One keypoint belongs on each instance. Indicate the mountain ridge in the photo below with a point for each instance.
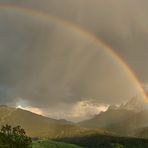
(123, 120)
(40, 126)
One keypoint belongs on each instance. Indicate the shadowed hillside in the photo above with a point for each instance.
(104, 119)
(126, 120)
(96, 141)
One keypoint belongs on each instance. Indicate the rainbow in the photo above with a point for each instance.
(92, 37)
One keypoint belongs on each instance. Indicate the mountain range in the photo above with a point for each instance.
(129, 119)
(39, 126)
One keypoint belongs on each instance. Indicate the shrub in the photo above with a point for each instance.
(14, 137)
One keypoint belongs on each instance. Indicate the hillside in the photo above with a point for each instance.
(104, 119)
(96, 141)
(131, 126)
(135, 124)
(117, 120)
(142, 132)
(135, 104)
(40, 126)
(123, 120)
(52, 144)
(114, 121)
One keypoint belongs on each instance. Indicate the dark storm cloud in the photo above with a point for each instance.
(120, 23)
(44, 63)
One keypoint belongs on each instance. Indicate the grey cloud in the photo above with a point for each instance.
(50, 66)
(120, 23)
(48, 63)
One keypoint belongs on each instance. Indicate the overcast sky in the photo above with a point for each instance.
(51, 67)
(120, 23)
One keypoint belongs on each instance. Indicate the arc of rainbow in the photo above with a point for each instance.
(95, 39)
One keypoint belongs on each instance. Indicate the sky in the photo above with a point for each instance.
(54, 69)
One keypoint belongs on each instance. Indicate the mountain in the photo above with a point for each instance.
(123, 120)
(40, 126)
(63, 131)
(136, 104)
(133, 125)
(142, 132)
(105, 120)
(129, 126)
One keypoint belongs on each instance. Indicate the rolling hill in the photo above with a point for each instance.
(40, 126)
(75, 136)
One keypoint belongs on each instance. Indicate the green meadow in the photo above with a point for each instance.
(52, 144)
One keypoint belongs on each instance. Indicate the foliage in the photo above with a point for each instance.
(14, 137)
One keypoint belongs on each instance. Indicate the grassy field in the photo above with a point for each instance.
(100, 141)
(52, 144)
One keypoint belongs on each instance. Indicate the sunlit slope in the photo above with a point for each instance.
(39, 126)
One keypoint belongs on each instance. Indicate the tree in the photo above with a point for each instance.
(14, 137)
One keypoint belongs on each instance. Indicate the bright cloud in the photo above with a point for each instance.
(32, 109)
(82, 110)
